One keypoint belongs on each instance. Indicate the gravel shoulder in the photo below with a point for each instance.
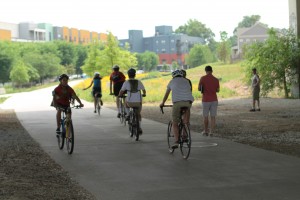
(27, 172)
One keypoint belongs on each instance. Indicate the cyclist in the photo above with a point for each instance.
(181, 97)
(134, 96)
(62, 96)
(96, 92)
(117, 79)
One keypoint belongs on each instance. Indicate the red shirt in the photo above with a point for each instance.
(117, 77)
(210, 85)
(63, 95)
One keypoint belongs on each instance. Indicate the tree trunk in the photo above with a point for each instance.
(286, 94)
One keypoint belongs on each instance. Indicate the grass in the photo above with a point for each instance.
(156, 83)
(2, 99)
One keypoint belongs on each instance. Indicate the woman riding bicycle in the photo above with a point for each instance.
(97, 91)
(181, 97)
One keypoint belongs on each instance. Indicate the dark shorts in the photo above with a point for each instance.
(117, 88)
(255, 93)
(97, 90)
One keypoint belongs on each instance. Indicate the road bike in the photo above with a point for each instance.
(184, 139)
(123, 109)
(67, 129)
(98, 102)
(134, 123)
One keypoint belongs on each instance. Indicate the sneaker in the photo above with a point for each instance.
(204, 133)
(140, 131)
(127, 118)
(258, 109)
(211, 134)
(119, 115)
(252, 110)
(57, 132)
(175, 145)
(101, 102)
(95, 111)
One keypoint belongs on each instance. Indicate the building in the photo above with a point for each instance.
(168, 45)
(256, 33)
(45, 32)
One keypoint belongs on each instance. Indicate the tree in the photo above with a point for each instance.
(276, 60)
(81, 52)
(147, 60)
(197, 29)
(199, 55)
(7, 57)
(19, 74)
(224, 47)
(108, 56)
(66, 53)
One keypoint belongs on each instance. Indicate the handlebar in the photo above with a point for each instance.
(162, 108)
(77, 106)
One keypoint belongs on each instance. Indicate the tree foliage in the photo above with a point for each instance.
(277, 60)
(199, 54)
(147, 61)
(6, 61)
(223, 49)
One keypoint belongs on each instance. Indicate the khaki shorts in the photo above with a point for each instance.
(255, 93)
(176, 109)
(210, 108)
(135, 104)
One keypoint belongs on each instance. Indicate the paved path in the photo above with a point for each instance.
(112, 166)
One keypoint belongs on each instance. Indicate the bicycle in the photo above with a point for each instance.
(98, 102)
(134, 123)
(67, 129)
(184, 139)
(122, 108)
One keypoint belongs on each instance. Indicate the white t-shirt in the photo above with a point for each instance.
(133, 96)
(181, 89)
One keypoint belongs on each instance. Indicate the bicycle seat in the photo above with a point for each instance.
(184, 109)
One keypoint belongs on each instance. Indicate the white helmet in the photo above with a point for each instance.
(176, 73)
(97, 74)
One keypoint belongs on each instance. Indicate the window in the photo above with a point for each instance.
(163, 50)
(247, 40)
(241, 40)
(172, 41)
(163, 41)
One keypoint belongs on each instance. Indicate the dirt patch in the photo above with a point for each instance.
(26, 171)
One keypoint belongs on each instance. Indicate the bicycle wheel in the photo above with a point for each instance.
(98, 106)
(170, 137)
(130, 124)
(122, 117)
(137, 127)
(70, 137)
(61, 136)
(185, 141)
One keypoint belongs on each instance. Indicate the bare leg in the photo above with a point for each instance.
(212, 124)
(58, 117)
(206, 124)
(175, 131)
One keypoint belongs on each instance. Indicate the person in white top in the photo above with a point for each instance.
(181, 97)
(133, 87)
(255, 90)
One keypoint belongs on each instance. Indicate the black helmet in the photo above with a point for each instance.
(116, 67)
(63, 76)
(177, 73)
(183, 72)
(131, 72)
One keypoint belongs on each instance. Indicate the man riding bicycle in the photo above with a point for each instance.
(62, 96)
(134, 97)
(181, 97)
(117, 79)
(96, 92)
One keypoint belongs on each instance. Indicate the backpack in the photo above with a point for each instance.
(133, 85)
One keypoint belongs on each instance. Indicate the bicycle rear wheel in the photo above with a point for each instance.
(137, 128)
(98, 106)
(185, 141)
(70, 137)
(170, 137)
(122, 117)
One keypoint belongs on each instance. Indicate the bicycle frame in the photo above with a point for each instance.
(134, 123)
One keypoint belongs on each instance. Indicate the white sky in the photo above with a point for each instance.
(119, 16)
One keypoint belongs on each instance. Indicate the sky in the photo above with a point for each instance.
(119, 16)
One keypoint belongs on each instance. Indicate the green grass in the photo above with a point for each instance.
(10, 89)
(2, 99)
(156, 83)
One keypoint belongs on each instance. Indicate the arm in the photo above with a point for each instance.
(143, 92)
(165, 97)
(110, 86)
(200, 86)
(89, 85)
(78, 100)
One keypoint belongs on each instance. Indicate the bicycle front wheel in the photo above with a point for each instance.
(98, 106)
(70, 137)
(170, 137)
(185, 141)
(61, 137)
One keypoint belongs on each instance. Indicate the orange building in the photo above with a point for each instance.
(5, 34)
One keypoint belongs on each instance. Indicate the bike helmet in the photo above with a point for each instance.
(116, 67)
(177, 73)
(96, 74)
(183, 72)
(63, 76)
(131, 72)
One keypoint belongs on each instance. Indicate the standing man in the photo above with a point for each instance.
(181, 97)
(255, 90)
(117, 79)
(209, 86)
